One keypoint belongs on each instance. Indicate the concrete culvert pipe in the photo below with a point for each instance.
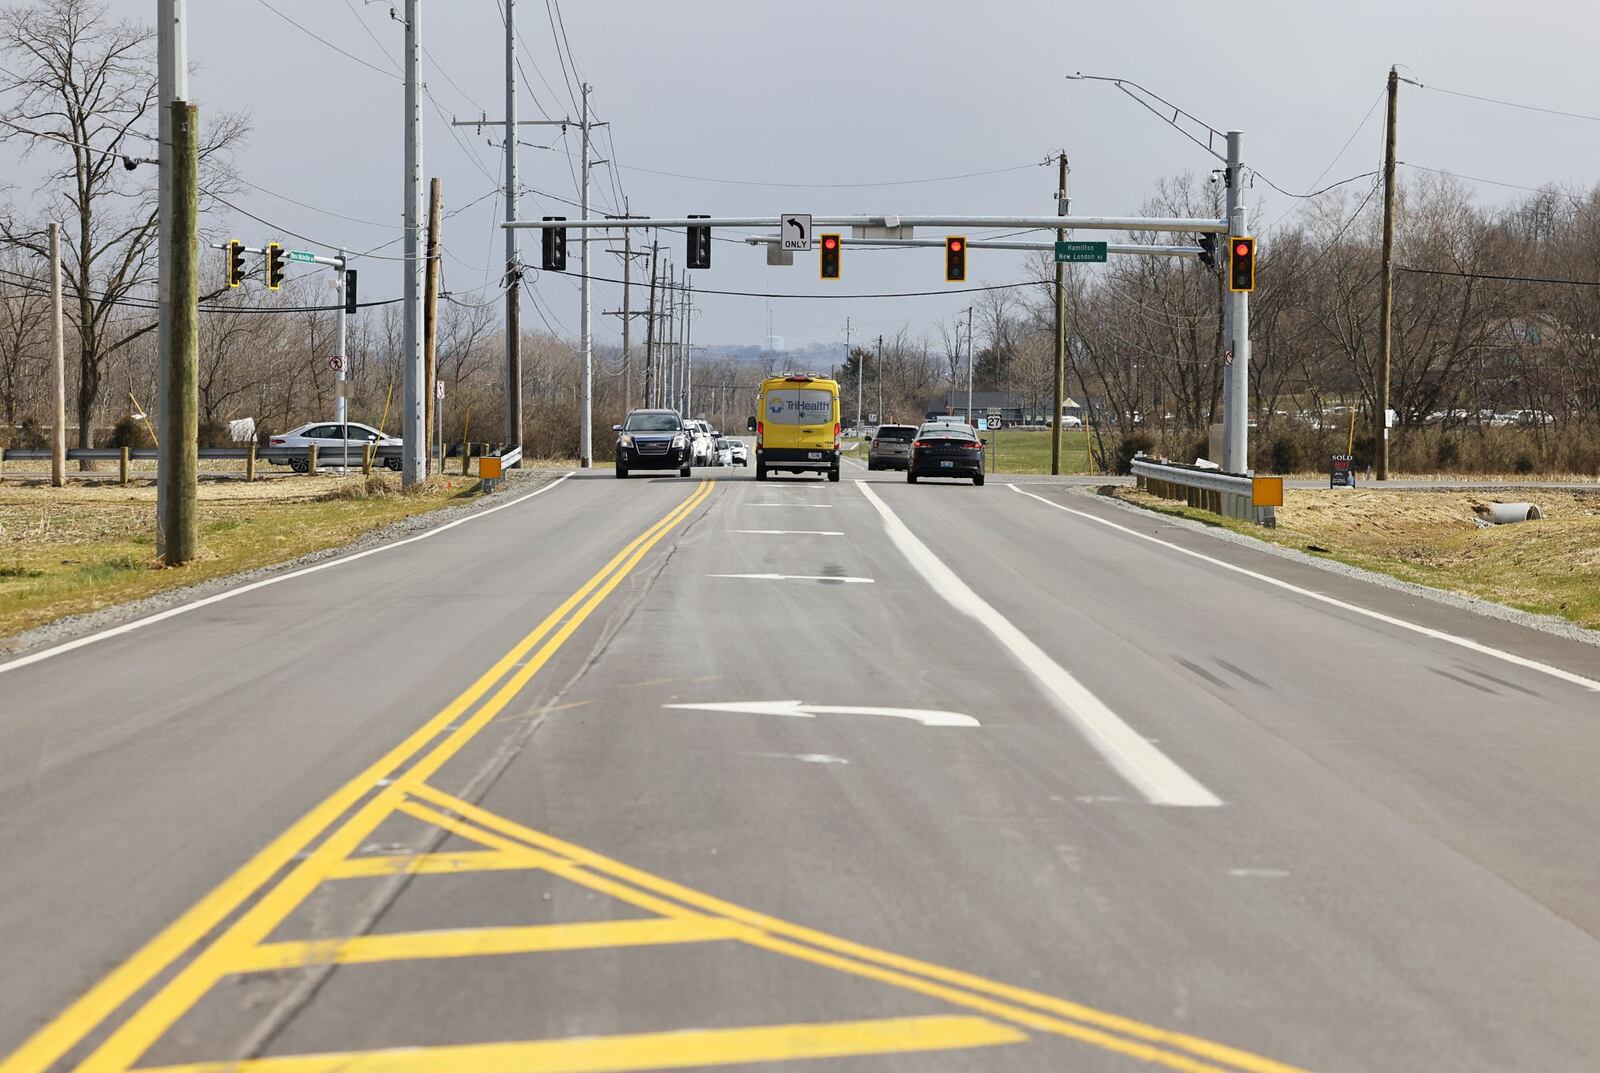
(1506, 513)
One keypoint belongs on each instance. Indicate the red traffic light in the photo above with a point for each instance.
(829, 243)
(1242, 249)
(955, 245)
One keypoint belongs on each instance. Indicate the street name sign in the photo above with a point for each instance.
(302, 256)
(795, 230)
(1071, 252)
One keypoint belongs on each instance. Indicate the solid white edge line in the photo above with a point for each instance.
(1426, 631)
(1146, 768)
(207, 601)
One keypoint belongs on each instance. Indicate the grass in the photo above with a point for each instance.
(64, 551)
(1549, 567)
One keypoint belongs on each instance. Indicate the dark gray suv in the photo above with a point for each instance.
(891, 447)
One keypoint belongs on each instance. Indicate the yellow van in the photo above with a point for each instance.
(797, 425)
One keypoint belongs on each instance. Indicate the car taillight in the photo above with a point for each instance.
(837, 429)
(976, 446)
(919, 443)
(276, 442)
(761, 429)
(874, 443)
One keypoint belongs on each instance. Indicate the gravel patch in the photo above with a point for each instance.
(518, 482)
(1550, 624)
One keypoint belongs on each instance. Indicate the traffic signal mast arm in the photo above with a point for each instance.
(304, 258)
(995, 244)
(1033, 223)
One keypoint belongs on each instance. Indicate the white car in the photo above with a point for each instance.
(739, 453)
(724, 452)
(1068, 421)
(705, 444)
(330, 439)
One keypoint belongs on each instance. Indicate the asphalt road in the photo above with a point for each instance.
(668, 773)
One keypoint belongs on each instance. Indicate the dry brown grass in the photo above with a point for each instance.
(88, 546)
(1551, 566)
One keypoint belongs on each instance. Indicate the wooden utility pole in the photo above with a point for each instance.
(1386, 286)
(627, 311)
(430, 312)
(180, 455)
(1059, 381)
(650, 336)
(58, 365)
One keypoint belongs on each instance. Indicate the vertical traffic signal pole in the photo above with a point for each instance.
(180, 439)
(341, 397)
(1386, 285)
(1059, 380)
(1232, 180)
(1236, 452)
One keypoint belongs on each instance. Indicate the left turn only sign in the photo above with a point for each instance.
(795, 229)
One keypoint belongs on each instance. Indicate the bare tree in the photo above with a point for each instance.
(81, 87)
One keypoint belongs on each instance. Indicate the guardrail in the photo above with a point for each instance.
(1251, 498)
(300, 459)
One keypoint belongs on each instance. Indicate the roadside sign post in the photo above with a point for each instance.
(1080, 252)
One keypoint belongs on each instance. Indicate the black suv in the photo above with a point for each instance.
(654, 439)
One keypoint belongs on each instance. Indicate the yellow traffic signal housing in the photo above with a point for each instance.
(955, 258)
(235, 262)
(1241, 263)
(274, 266)
(828, 256)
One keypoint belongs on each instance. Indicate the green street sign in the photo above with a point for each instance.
(1069, 252)
(310, 258)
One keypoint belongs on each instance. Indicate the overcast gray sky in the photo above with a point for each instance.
(859, 91)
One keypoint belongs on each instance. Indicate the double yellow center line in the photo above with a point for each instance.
(510, 673)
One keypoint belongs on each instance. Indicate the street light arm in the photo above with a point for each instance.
(1172, 121)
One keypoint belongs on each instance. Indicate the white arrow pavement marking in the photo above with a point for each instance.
(1148, 769)
(799, 577)
(1426, 631)
(928, 717)
(790, 532)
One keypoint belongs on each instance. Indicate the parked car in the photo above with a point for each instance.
(740, 453)
(890, 447)
(705, 442)
(1068, 421)
(331, 442)
(942, 450)
(724, 452)
(654, 439)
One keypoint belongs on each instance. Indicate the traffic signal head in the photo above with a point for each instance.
(349, 290)
(274, 266)
(955, 259)
(235, 262)
(1208, 250)
(1241, 263)
(553, 253)
(699, 244)
(829, 256)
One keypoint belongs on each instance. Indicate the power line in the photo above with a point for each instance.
(1493, 182)
(828, 186)
(330, 44)
(1505, 103)
(1500, 278)
(1314, 193)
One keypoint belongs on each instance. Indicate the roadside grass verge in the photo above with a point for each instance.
(1549, 567)
(64, 551)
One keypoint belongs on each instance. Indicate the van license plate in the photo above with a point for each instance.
(813, 454)
(946, 465)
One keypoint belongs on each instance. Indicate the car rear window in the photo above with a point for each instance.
(799, 406)
(904, 435)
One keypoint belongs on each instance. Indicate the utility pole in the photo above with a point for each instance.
(1059, 380)
(627, 310)
(341, 398)
(586, 339)
(669, 300)
(1386, 286)
(433, 416)
(413, 425)
(58, 365)
(1234, 409)
(180, 442)
(688, 344)
(650, 378)
(969, 366)
(513, 255)
(172, 80)
(877, 367)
